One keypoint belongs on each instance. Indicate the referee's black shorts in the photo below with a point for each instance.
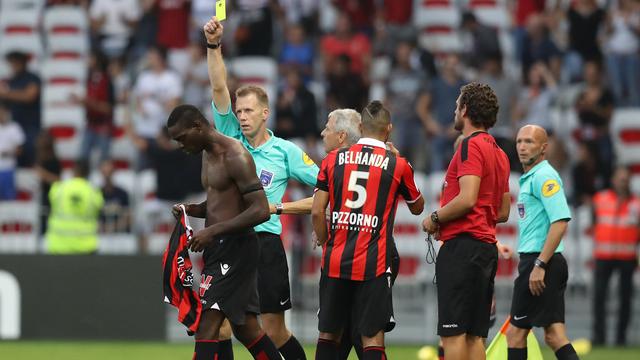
(465, 271)
(273, 274)
(528, 310)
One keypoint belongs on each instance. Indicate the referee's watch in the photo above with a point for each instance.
(541, 264)
(435, 218)
(279, 208)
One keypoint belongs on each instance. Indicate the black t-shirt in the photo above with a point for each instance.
(25, 114)
(583, 32)
(594, 119)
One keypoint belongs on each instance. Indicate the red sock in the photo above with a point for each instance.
(263, 349)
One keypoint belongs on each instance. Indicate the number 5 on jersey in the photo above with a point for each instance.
(361, 191)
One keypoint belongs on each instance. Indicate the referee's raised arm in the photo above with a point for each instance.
(213, 30)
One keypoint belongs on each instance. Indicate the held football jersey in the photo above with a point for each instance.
(364, 183)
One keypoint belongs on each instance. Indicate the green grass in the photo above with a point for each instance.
(90, 350)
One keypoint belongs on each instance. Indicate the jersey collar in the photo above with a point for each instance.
(542, 164)
(264, 147)
(372, 142)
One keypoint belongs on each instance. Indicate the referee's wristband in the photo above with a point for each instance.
(279, 208)
(214, 46)
(539, 263)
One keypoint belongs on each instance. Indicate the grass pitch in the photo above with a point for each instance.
(94, 350)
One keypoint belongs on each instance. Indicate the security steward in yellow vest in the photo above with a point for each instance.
(616, 235)
(73, 220)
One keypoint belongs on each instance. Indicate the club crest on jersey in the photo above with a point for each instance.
(266, 177)
(521, 210)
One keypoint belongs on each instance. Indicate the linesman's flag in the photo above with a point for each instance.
(497, 350)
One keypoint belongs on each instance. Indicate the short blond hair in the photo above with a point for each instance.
(259, 93)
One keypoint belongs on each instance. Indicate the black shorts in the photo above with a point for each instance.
(528, 310)
(465, 271)
(365, 306)
(273, 275)
(229, 280)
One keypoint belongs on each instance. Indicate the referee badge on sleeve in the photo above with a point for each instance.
(306, 159)
(266, 177)
(521, 210)
(550, 187)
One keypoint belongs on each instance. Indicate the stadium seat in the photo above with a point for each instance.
(36, 5)
(60, 116)
(123, 152)
(60, 95)
(625, 131)
(19, 226)
(65, 20)
(67, 46)
(433, 13)
(492, 13)
(18, 21)
(26, 43)
(64, 72)
(67, 142)
(440, 40)
(5, 70)
(28, 185)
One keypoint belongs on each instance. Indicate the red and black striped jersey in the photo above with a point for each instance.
(364, 183)
(177, 277)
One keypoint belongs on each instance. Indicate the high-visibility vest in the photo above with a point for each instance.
(73, 222)
(616, 232)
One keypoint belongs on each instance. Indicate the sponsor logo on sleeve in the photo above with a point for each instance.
(550, 187)
(306, 159)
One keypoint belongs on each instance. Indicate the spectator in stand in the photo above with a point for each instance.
(536, 98)
(585, 18)
(172, 31)
(120, 80)
(115, 215)
(595, 107)
(584, 175)
(297, 51)
(346, 88)
(21, 94)
(404, 87)
(200, 14)
(360, 12)
(522, 11)
(482, 40)
(345, 42)
(392, 24)
(539, 47)
(436, 110)
(621, 49)
(157, 91)
(297, 112)
(98, 102)
(113, 23)
(254, 35)
(506, 89)
(303, 12)
(11, 140)
(48, 169)
(196, 81)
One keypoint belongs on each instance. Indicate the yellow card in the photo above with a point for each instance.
(221, 9)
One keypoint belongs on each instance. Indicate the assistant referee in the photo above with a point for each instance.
(543, 216)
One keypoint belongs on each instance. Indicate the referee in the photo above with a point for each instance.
(277, 161)
(475, 189)
(543, 215)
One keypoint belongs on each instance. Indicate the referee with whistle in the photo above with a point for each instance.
(543, 216)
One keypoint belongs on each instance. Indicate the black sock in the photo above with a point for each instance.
(225, 350)
(205, 350)
(567, 352)
(517, 354)
(344, 348)
(357, 346)
(326, 350)
(292, 350)
(263, 349)
(374, 353)
(440, 352)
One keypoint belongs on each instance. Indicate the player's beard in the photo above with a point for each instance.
(458, 123)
